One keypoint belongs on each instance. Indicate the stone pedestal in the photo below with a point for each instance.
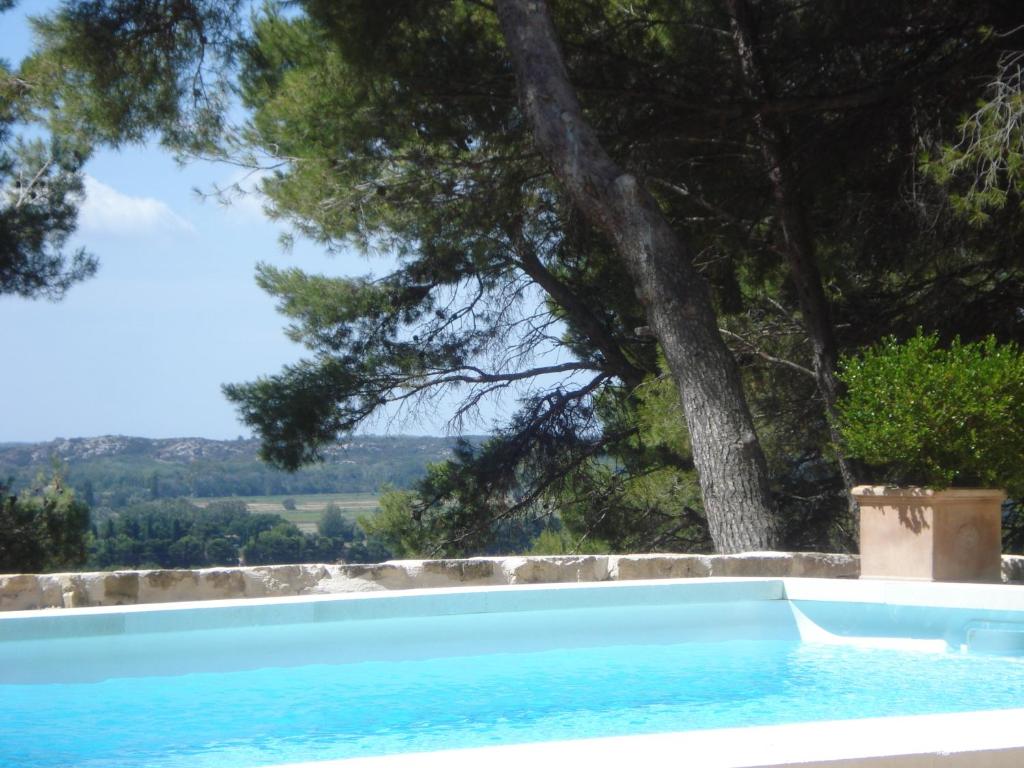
(926, 535)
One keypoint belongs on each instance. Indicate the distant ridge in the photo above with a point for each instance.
(116, 470)
(184, 450)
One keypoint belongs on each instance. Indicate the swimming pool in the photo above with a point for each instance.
(664, 665)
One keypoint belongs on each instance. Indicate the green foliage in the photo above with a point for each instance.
(170, 534)
(288, 504)
(659, 414)
(221, 551)
(641, 493)
(938, 416)
(558, 541)
(281, 544)
(187, 552)
(396, 528)
(119, 69)
(395, 127)
(985, 168)
(367, 550)
(408, 528)
(334, 525)
(177, 534)
(418, 147)
(449, 189)
(40, 190)
(656, 510)
(43, 529)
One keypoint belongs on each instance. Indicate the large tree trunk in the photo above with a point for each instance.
(726, 451)
(798, 244)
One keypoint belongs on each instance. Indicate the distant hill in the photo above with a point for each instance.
(115, 470)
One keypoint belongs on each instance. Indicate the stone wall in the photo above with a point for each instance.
(75, 590)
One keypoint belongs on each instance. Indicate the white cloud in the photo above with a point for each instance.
(107, 211)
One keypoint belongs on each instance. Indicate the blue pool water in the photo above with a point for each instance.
(315, 698)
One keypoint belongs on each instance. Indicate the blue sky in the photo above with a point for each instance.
(143, 348)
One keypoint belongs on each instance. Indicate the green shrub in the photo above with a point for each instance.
(42, 530)
(552, 541)
(925, 415)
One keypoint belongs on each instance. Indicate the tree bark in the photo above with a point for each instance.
(798, 244)
(727, 454)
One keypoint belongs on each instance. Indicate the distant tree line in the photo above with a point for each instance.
(47, 528)
(178, 534)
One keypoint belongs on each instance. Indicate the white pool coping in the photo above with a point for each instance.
(993, 739)
(892, 592)
(989, 739)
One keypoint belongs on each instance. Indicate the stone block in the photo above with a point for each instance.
(824, 565)
(629, 567)
(419, 574)
(168, 586)
(221, 584)
(80, 590)
(473, 571)
(282, 580)
(751, 564)
(50, 590)
(556, 569)
(309, 575)
(338, 581)
(394, 574)
(21, 592)
(120, 588)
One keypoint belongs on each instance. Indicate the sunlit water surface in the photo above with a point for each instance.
(323, 711)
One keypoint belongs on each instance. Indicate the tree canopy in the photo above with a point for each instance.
(44, 527)
(40, 190)
(780, 141)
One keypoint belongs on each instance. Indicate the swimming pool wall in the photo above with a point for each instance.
(37, 646)
(884, 608)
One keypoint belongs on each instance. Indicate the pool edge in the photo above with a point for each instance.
(991, 739)
(235, 613)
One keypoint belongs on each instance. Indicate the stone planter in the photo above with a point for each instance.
(926, 535)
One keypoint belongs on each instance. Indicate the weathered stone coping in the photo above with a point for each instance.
(77, 590)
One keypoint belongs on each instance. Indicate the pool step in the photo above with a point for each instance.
(1005, 640)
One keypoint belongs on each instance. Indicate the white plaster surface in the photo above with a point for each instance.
(198, 615)
(931, 594)
(970, 740)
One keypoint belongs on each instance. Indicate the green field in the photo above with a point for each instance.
(308, 508)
